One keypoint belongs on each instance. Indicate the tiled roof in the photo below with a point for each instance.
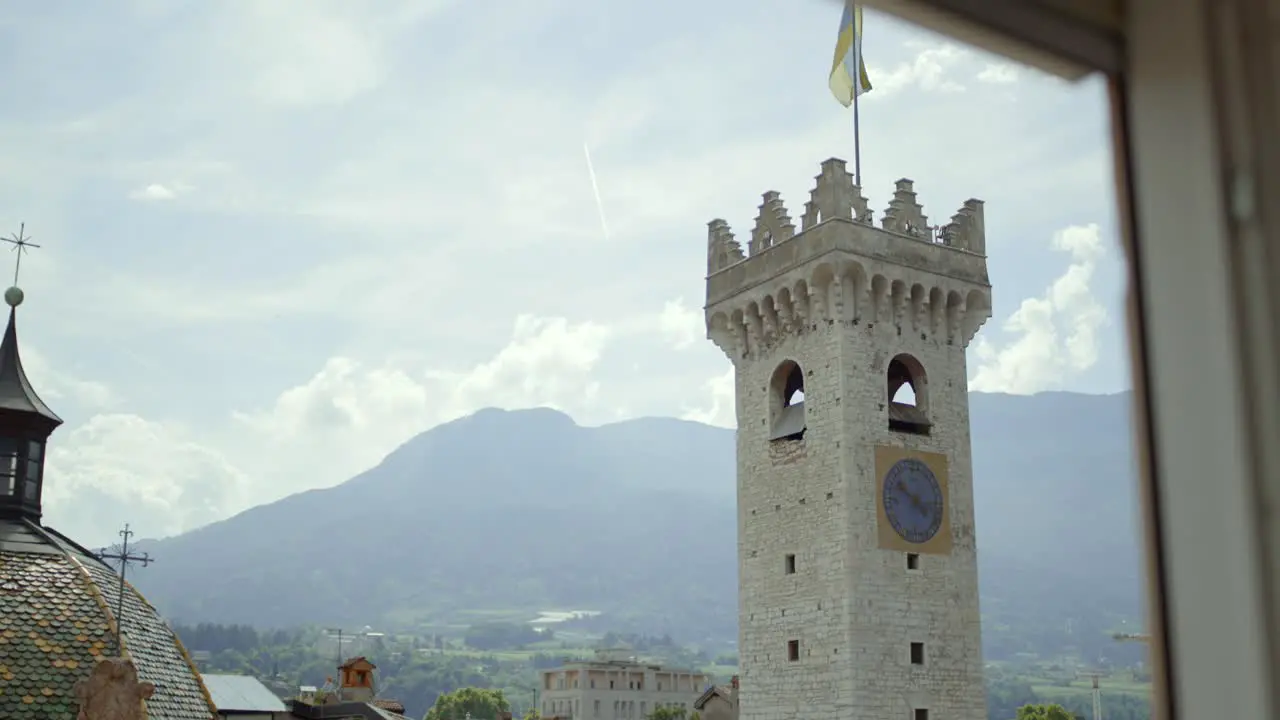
(394, 706)
(52, 632)
(721, 690)
(57, 618)
(158, 654)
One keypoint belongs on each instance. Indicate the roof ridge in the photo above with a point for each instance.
(113, 623)
(58, 539)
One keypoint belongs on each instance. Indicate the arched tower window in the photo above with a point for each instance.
(908, 396)
(786, 402)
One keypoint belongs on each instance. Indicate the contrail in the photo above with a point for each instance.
(595, 188)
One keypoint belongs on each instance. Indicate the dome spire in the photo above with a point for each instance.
(25, 420)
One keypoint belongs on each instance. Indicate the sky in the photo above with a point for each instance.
(280, 239)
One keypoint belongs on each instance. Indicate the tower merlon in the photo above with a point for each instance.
(857, 552)
(786, 275)
(722, 250)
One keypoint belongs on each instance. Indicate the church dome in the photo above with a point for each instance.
(61, 606)
(58, 618)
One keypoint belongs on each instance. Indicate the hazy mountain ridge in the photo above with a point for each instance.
(527, 510)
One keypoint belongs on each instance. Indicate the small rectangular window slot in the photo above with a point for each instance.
(790, 564)
(917, 653)
(793, 650)
(913, 561)
(921, 714)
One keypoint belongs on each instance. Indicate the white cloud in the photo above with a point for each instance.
(346, 418)
(1055, 335)
(929, 70)
(54, 386)
(721, 407)
(120, 467)
(683, 326)
(369, 230)
(998, 74)
(155, 192)
(549, 361)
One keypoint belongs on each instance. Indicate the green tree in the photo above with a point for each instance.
(1044, 712)
(479, 703)
(669, 712)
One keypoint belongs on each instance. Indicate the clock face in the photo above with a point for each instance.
(913, 500)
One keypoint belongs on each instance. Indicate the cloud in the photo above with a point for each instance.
(287, 238)
(118, 468)
(721, 407)
(998, 74)
(341, 421)
(1055, 336)
(929, 70)
(158, 192)
(54, 386)
(683, 326)
(319, 53)
(546, 362)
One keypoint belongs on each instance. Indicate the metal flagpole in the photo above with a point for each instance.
(857, 90)
(857, 142)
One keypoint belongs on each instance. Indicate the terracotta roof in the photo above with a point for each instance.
(57, 619)
(355, 660)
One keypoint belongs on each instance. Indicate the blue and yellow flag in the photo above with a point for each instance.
(848, 63)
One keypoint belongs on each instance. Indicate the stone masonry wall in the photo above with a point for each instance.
(892, 606)
(790, 501)
(841, 299)
(853, 607)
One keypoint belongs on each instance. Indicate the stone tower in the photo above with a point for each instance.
(858, 574)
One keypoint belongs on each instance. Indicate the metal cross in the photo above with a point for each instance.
(124, 557)
(20, 243)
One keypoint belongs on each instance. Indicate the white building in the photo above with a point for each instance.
(617, 686)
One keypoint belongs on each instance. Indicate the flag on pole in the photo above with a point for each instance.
(848, 63)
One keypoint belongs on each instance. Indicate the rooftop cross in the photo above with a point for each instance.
(20, 243)
(124, 557)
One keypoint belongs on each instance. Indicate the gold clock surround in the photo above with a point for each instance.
(940, 544)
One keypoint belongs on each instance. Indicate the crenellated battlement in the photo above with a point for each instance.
(787, 279)
(835, 197)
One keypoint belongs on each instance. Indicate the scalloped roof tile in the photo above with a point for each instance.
(57, 621)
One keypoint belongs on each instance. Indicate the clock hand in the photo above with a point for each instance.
(916, 502)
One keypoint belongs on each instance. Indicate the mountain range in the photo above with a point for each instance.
(527, 511)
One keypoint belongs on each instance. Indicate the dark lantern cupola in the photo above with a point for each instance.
(25, 425)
